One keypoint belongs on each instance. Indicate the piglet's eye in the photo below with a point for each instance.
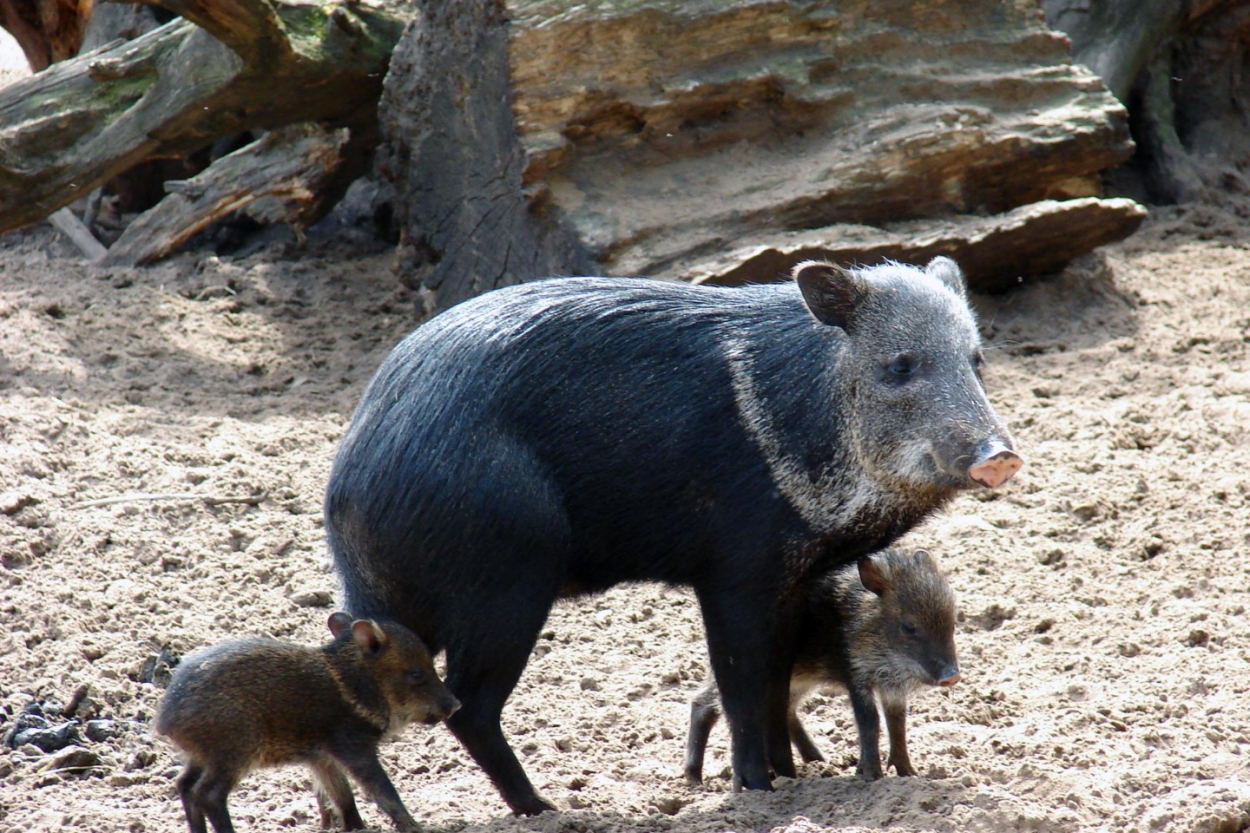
(416, 675)
(909, 628)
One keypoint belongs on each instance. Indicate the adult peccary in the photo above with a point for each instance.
(559, 437)
(251, 703)
(877, 629)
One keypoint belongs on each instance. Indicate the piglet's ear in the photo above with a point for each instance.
(338, 622)
(948, 272)
(924, 560)
(831, 293)
(368, 635)
(873, 577)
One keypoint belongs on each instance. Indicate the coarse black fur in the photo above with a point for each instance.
(878, 637)
(563, 436)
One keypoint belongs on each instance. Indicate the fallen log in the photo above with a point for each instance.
(78, 232)
(228, 66)
(277, 179)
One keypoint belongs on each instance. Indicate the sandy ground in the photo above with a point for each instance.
(1103, 634)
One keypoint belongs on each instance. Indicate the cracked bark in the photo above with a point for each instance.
(652, 136)
(468, 223)
(1178, 65)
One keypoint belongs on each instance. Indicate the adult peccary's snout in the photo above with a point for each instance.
(995, 464)
(563, 436)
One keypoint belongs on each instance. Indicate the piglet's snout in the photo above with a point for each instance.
(995, 464)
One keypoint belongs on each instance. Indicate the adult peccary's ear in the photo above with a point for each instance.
(338, 622)
(830, 292)
(368, 635)
(949, 273)
(872, 576)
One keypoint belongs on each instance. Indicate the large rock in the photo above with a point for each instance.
(656, 133)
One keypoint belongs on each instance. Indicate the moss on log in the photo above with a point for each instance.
(227, 67)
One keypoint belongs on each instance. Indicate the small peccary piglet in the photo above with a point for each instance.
(878, 629)
(254, 703)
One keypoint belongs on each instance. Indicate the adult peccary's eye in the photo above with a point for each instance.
(903, 365)
(416, 675)
(909, 629)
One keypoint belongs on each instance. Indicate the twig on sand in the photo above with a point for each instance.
(136, 497)
(78, 233)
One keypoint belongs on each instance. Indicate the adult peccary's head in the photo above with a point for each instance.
(905, 636)
(916, 411)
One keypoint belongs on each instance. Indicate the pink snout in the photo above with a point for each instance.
(950, 681)
(997, 467)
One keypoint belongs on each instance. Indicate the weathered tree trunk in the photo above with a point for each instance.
(656, 134)
(468, 224)
(229, 66)
(1178, 65)
(46, 30)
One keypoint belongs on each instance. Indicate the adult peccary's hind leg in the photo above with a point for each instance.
(485, 660)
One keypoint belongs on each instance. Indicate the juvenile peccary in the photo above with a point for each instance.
(562, 436)
(879, 629)
(254, 703)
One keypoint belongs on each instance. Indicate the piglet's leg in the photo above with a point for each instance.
(364, 766)
(704, 714)
(868, 722)
(807, 750)
(334, 791)
(896, 725)
(186, 790)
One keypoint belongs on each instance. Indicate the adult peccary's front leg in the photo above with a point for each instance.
(778, 703)
(739, 646)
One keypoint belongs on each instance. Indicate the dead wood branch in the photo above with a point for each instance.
(286, 170)
(172, 91)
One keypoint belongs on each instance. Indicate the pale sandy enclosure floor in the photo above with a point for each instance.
(1104, 638)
